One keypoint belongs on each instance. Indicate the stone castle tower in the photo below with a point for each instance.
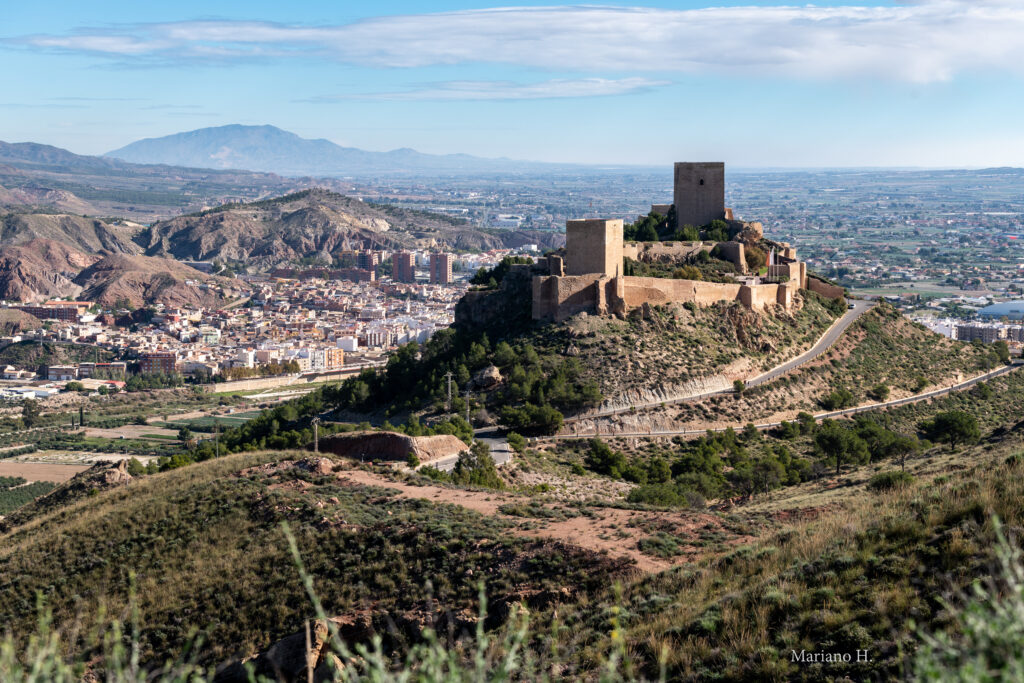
(593, 246)
(699, 192)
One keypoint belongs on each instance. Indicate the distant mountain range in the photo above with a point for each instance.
(42, 176)
(270, 149)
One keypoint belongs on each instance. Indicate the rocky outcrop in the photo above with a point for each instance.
(487, 378)
(657, 395)
(505, 309)
(325, 647)
(89, 235)
(306, 655)
(97, 478)
(40, 270)
(392, 446)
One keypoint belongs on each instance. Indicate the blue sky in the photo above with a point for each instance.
(857, 83)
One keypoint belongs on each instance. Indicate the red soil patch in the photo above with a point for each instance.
(598, 533)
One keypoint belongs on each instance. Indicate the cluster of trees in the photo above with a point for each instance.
(654, 227)
(721, 464)
(535, 393)
(474, 467)
(997, 353)
(650, 228)
(756, 257)
(144, 382)
(269, 370)
(727, 463)
(838, 400)
(492, 277)
(104, 390)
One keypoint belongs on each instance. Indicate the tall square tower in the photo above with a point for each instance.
(593, 246)
(699, 192)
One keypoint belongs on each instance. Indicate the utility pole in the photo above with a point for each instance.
(316, 434)
(216, 436)
(448, 408)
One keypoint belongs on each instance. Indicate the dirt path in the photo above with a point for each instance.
(605, 531)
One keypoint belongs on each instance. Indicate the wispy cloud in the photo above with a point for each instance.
(505, 90)
(923, 41)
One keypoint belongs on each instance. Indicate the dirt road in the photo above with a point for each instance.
(607, 530)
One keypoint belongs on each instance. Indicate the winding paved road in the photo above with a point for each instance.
(830, 337)
(821, 346)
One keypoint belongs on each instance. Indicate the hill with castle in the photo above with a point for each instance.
(718, 469)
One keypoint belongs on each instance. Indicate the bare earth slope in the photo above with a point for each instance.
(280, 231)
(85, 234)
(40, 269)
(144, 280)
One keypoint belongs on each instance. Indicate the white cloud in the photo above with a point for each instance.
(926, 41)
(505, 90)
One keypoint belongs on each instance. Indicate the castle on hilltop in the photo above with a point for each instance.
(590, 277)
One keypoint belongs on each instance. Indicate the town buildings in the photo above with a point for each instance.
(441, 269)
(403, 267)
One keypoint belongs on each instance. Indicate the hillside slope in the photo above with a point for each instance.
(207, 547)
(40, 269)
(312, 222)
(830, 565)
(13, 321)
(89, 235)
(145, 280)
(881, 349)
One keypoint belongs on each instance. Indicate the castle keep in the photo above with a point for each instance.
(591, 276)
(698, 192)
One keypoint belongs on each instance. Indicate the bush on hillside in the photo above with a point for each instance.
(887, 481)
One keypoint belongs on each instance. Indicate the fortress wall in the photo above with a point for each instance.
(790, 271)
(655, 290)
(562, 297)
(733, 251)
(825, 289)
(559, 298)
(653, 251)
(757, 297)
(785, 295)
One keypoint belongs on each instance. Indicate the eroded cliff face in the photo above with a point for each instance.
(392, 446)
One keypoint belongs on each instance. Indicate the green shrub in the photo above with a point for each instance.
(887, 481)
